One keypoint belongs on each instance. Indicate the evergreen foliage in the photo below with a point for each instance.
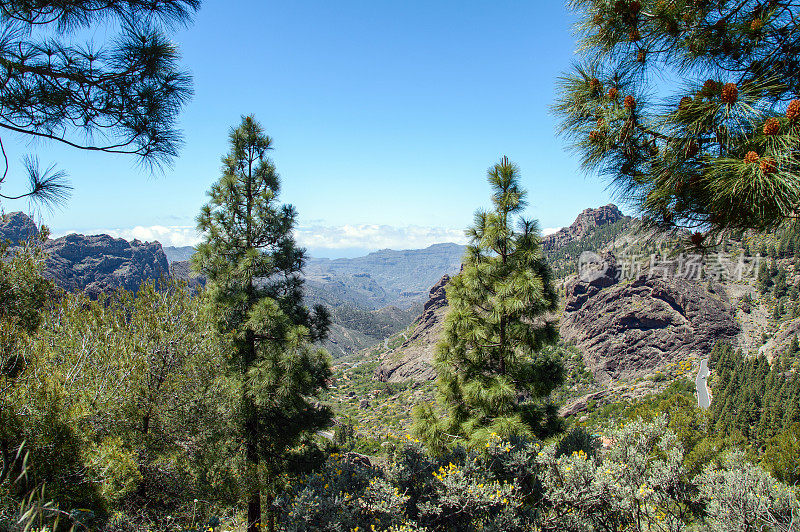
(751, 398)
(253, 267)
(123, 97)
(491, 371)
(716, 149)
(121, 407)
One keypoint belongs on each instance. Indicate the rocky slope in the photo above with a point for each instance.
(96, 263)
(586, 222)
(413, 359)
(16, 228)
(628, 330)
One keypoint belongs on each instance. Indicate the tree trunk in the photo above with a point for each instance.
(251, 438)
(270, 513)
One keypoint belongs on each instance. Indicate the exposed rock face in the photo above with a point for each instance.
(630, 329)
(182, 270)
(95, 264)
(100, 263)
(586, 221)
(413, 359)
(16, 227)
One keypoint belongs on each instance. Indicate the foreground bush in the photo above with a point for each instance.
(640, 483)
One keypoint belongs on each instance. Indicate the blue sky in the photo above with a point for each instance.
(384, 115)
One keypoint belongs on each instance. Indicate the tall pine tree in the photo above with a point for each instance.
(491, 371)
(253, 266)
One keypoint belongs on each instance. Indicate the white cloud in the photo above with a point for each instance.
(174, 235)
(369, 236)
(550, 230)
(365, 236)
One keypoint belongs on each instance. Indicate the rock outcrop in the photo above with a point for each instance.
(586, 222)
(413, 359)
(94, 264)
(100, 263)
(182, 270)
(628, 330)
(16, 227)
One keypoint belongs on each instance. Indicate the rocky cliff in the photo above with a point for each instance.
(96, 263)
(631, 329)
(586, 222)
(413, 359)
(16, 228)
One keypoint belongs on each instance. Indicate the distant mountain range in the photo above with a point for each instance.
(370, 297)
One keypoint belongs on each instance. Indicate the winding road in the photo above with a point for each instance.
(703, 400)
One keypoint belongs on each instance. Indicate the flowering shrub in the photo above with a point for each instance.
(639, 483)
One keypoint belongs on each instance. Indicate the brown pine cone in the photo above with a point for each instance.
(751, 157)
(793, 111)
(772, 126)
(730, 93)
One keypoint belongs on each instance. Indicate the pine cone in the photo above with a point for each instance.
(772, 126)
(793, 111)
(768, 166)
(730, 93)
(613, 93)
(756, 24)
(692, 149)
(697, 239)
(751, 157)
(686, 101)
(641, 56)
(630, 103)
(634, 36)
(594, 85)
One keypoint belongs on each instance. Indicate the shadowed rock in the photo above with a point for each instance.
(631, 329)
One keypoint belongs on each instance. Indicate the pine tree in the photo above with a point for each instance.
(717, 147)
(492, 374)
(253, 266)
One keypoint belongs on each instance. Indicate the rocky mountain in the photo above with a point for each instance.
(94, 264)
(370, 297)
(586, 222)
(385, 277)
(178, 254)
(16, 228)
(182, 270)
(628, 330)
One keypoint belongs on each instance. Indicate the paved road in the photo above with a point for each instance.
(702, 391)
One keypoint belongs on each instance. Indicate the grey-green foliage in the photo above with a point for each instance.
(638, 483)
(742, 496)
